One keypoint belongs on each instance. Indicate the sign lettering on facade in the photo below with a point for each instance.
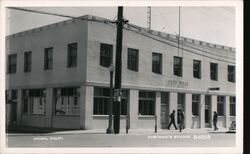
(177, 84)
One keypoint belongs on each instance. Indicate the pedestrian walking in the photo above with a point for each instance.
(215, 117)
(181, 119)
(172, 120)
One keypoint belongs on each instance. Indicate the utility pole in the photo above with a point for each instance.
(118, 69)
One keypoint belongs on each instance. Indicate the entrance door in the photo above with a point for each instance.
(207, 111)
(181, 105)
(164, 110)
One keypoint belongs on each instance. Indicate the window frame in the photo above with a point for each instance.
(144, 103)
(12, 64)
(230, 75)
(214, 73)
(48, 58)
(157, 64)
(133, 59)
(106, 55)
(72, 55)
(178, 67)
(27, 61)
(197, 72)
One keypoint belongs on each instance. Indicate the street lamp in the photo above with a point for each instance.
(110, 130)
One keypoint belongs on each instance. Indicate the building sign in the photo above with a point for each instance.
(177, 84)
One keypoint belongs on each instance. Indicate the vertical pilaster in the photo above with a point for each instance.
(188, 111)
(202, 111)
(87, 105)
(133, 100)
(173, 104)
(227, 111)
(158, 109)
(49, 106)
(19, 107)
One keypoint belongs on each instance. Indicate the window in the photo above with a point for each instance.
(195, 104)
(232, 106)
(178, 66)
(214, 71)
(67, 101)
(157, 63)
(102, 98)
(12, 62)
(106, 55)
(27, 61)
(231, 73)
(146, 103)
(48, 58)
(220, 105)
(133, 59)
(197, 69)
(34, 101)
(72, 55)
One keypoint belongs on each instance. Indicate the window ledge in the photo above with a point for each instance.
(146, 116)
(67, 115)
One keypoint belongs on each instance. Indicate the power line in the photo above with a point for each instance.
(177, 46)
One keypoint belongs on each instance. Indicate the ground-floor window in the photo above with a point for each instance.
(232, 106)
(67, 101)
(102, 98)
(34, 101)
(146, 103)
(195, 104)
(220, 105)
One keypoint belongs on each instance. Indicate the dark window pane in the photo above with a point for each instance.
(157, 63)
(72, 55)
(106, 52)
(178, 66)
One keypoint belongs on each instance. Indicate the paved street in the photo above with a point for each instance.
(165, 138)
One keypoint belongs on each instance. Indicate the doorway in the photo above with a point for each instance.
(207, 111)
(164, 110)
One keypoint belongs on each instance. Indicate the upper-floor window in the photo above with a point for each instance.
(214, 71)
(27, 61)
(146, 103)
(157, 63)
(231, 73)
(12, 63)
(72, 55)
(133, 59)
(197, 69)
(106, 55)
(48, 58)
(232, 106)
(178, 66)
(220, 105)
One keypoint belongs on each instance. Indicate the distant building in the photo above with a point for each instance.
(57, 76)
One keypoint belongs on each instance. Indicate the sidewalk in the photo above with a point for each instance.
(49, 131)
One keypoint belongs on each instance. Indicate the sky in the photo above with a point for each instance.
(210, 24)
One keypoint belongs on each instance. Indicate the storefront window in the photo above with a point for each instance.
(67, 101)
(146, 103)
(232, 106)
(195, 104)
(34, 101)
(220, 105)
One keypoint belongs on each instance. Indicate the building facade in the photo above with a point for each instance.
(57, 76)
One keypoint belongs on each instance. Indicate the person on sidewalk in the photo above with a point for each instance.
(181, 119)
(215, 117)
(172, 120)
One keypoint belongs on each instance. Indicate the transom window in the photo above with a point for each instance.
(72, 55)
(231, 73)
(232, 106)
(157, 63)
(34, 101)
(27, 61)
(220, 105)
(67, 101)
(146, 103)
(195, 104)
(214, 71)
(12, 63)
(48, 58)
(197, 69)
(133, 59)
(106, 54)
(177, 66)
